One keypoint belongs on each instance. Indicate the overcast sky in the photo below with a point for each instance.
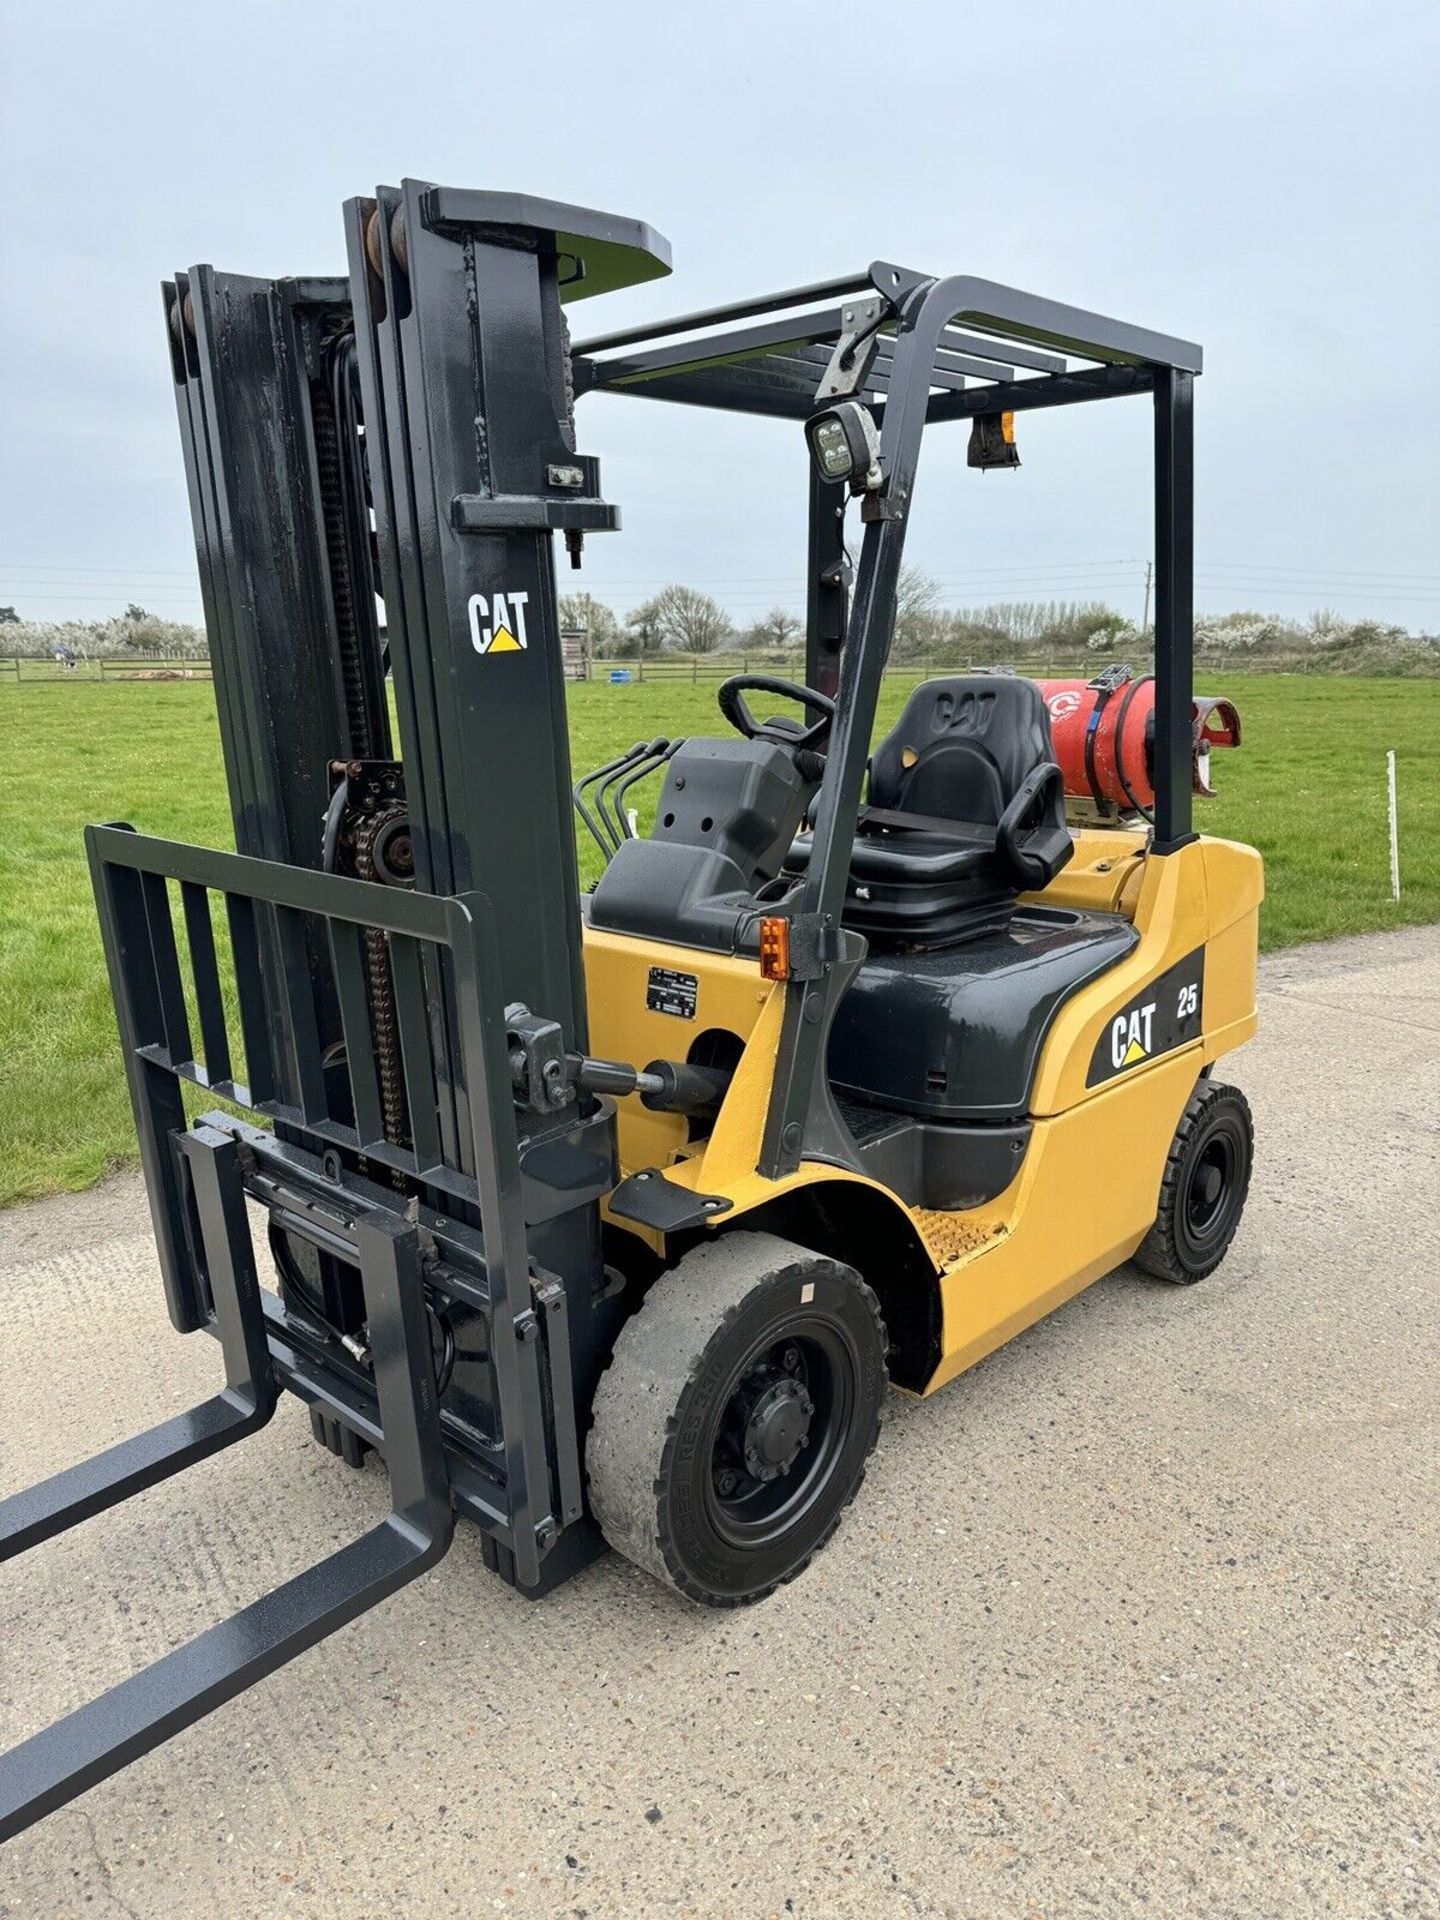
(1259, 177)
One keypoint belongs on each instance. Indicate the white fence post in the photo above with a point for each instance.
(1394, 827)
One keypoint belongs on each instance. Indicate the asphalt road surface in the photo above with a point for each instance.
(1137, 1618)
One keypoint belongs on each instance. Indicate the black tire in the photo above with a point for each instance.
(733, 1425)
(1202, 1196)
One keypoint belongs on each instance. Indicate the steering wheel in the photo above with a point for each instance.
(784, 733)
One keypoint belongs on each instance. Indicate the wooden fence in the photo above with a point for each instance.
(28, 669)
(665, 669)
(701, 669)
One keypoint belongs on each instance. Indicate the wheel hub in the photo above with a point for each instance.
(778, 1428)
(1208, 1184)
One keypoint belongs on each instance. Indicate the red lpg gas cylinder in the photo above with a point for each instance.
(1104, 735)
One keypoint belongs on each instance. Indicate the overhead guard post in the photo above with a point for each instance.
(1174, 604)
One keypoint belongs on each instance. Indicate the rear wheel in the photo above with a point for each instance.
(1202, 1196)
(733, 1426)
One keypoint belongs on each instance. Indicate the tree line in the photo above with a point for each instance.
(927, 631)
(681, 619)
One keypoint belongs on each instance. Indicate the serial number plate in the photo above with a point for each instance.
(672, 992)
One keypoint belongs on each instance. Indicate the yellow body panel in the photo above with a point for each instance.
(1103, 875)
(730, 996)
(1235, 886)
(1173, 915)
(1083, 1202)
(1087, 1189)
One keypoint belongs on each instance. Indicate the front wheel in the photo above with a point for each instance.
(1202, 1196)
(733, 1426)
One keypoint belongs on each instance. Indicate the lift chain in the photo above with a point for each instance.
(380, 985)
(375, 842)
(337, 511)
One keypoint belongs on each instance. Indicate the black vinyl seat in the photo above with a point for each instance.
(966, 810)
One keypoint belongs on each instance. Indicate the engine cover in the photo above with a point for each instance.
(955, 1034)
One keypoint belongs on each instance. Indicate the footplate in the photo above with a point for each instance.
(45, 1772)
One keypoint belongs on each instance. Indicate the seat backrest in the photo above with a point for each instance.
(962, 748)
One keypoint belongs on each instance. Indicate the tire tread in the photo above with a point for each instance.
(1158, 1254)
(659, 1354)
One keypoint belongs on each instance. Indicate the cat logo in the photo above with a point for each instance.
(1166, 1013)
(497, 625)
(1130, 1036)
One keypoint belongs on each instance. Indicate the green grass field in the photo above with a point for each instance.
(1307, 789)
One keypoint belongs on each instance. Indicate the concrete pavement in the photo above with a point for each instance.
(1137, 1618)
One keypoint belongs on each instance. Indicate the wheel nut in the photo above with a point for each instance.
(790, 1359)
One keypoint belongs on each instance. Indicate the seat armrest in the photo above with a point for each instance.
(1038, 853)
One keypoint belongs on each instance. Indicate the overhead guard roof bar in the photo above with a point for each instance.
(736, 310)
(775, 367)
(800, 330)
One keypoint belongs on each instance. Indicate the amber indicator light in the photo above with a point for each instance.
(775, 947)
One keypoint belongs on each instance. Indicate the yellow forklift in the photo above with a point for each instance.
(974, 1071)
(605, 1220)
